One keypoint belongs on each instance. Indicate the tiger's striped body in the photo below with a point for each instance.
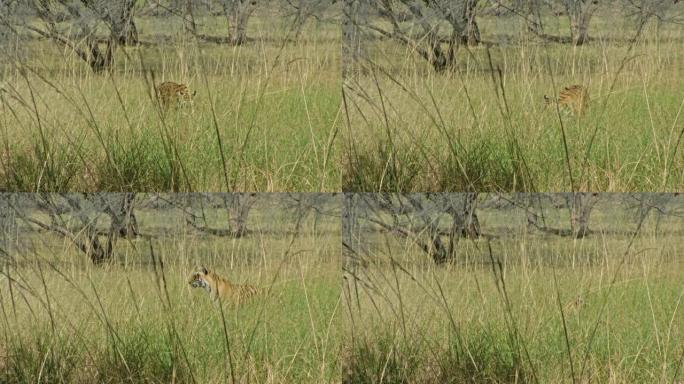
(574, 98)
(171, 93)
(574, 306)
(220, 288)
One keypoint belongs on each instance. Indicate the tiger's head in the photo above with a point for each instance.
(198, 279)
(184, 94)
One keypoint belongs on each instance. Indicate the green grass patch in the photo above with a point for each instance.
(264, 118)
(604, 308)
(484, 126)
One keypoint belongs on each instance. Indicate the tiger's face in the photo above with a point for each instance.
(184, 94)
(198, 279)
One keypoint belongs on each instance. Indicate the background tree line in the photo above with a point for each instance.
(436, 222)
(94, 223)
(435, 29)
(94, 29)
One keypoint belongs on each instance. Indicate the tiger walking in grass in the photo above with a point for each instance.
(220, 288)
(171, 93)
(573, 98)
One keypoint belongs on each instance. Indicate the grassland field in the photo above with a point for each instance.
(65, 320)
(484, 126)
(264, 118)
(540, 309)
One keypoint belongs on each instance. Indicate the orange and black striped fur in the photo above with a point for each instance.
(173, 93)
(574, 98)
(220, 288)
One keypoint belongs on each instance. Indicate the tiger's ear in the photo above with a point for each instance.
(204, 270)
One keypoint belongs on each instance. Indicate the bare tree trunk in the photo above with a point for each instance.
(532, 216)
(579, 29)
(471, 33)
(74, 217)
(189, 18)
(238, 211)
(237, 205)
(464, 222)
(98, 59)
(119, 207)
(7, 224)
(580, 13)
(454, 237)
(580, 211)
(531, 10)
(438, 58)
(238, 13)
(438, 52)
(351, 36)
(472, 223)
(238, 28)
(461, 208)
(348, 223)
(123, 220)
(435, 55)
(97, 251)
(124, 29)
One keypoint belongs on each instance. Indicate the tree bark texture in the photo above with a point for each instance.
(580, 13)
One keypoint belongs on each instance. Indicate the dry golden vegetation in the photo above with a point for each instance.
(265, 116)
(482, 124)
(136, 318)
(520, 305)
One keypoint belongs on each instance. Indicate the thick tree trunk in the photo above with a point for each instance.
(579, 29)
(238, 13)
(351, 38)
(97, 251)
(530, 9)
(471, 224)
(128, 33)
(471, 32)
(238, 29)
(438, 58)
(189, 18)
(464, 223)
(124, 222)
(439, 253)
(238, 211)
(92, 54)
(580, 13)
(238, 34)
(580, 211)
(120, 21)
(97, 59)
(7, 223)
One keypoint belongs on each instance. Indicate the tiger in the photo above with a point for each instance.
(220, 288)
(574, 98)
(170, 92)
(574, 306)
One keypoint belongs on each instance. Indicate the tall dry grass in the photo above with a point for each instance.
(136, 319)
(265, 116)
(483, 125)
(519, 305)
